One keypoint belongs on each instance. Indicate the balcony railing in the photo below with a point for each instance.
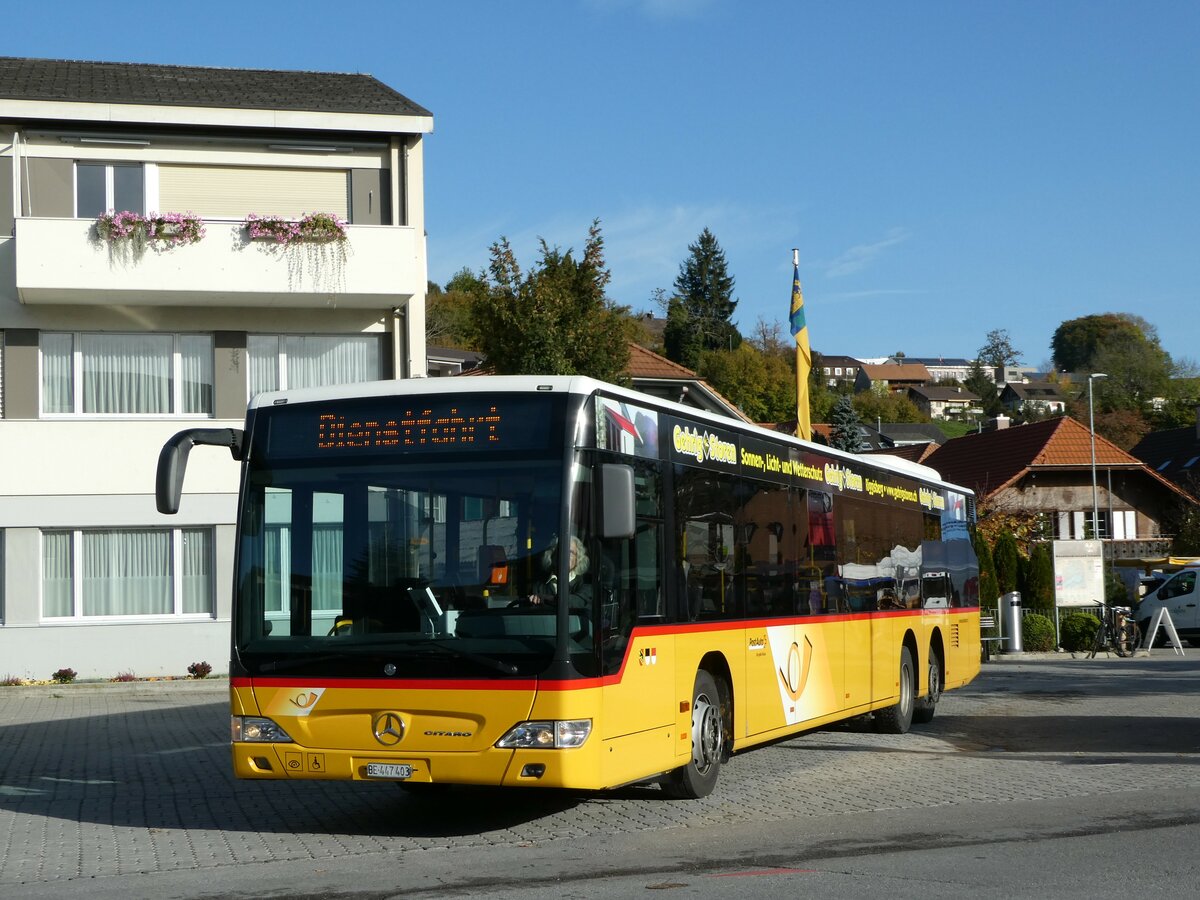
(60, 261)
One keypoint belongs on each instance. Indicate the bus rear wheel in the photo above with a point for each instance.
(897, 719)
(926, 706)
(698, 778)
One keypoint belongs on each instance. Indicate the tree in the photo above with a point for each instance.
(881, 405)
(1076, 341)
(761, 385)
(1039, 580)
(989, 589)
(846, 434)
(700, 312)
(1138, 371)
(979, 384)
(555, 319)
(448, 313)
(997, 350)
(1008, 562)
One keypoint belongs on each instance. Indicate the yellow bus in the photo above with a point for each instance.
(556, 582)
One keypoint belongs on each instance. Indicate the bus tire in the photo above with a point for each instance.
(698, 778)
(925, 707)
(897, 719)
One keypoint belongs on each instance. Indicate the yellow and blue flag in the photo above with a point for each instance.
(803, 353)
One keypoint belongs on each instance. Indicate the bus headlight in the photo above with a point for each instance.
(257, 730)
(560, 734)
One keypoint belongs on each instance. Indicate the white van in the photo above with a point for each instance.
(1180, 596)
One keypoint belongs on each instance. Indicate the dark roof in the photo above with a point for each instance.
(943, 394)
(913, 433)
(954, 361)
(1034, 390)
(158, 85)
(917, 453)
(1174, 453)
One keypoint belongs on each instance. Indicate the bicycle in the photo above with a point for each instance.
(1118, 631)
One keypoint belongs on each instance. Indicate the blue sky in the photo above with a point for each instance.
(945, 168)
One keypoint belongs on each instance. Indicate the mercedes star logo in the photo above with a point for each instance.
(389, 729)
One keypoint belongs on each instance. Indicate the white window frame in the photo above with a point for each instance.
(149, 184)
(176, 614)
(77, 378)
(281, 361)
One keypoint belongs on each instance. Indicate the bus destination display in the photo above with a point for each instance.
(415, 428)
(460, 423)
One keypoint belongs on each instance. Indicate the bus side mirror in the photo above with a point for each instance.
(617, 501)
(172, 461)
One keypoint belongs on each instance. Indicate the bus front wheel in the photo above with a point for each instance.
(897, 719)
(698, 778)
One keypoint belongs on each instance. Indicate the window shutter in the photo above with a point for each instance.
(232, 192)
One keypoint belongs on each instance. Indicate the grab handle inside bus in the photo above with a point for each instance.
(617, 504)
(172, 461)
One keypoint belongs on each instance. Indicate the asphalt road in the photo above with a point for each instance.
(1048, 778)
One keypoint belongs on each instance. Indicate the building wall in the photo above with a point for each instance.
(75, 473)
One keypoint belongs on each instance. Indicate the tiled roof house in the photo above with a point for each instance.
(1046, 468)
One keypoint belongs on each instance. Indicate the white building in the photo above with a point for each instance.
(109, 348)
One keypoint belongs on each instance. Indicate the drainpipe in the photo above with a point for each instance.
(397, 357)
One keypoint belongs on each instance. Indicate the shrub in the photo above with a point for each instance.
(64, 676)
(199, 670)
(1037, 633)
(11, 681)
(1078, 631)
(124, 676)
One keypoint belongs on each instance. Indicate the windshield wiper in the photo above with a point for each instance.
(489, 661)
(284, 665)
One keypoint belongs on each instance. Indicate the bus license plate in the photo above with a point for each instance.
(388, 770)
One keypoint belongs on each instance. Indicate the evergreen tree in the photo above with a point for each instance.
(1007, 559)
(1039, 583)
(555, 319)
(847, 427)
(989, 589)
(979, 384)
(700, 312)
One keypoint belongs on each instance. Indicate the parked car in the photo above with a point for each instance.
(1180, 597)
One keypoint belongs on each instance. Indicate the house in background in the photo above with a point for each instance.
(1174, 453)
(943, 368)
(106, 349)
(945, 402)
(1045, 469)
(895, 377)
(447, 361)
(839, 370)
(1041, 397)
(654, 374)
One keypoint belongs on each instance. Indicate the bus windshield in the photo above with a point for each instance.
(392, 564)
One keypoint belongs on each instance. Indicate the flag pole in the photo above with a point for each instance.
(803, 352)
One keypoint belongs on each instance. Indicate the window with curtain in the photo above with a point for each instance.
(279, 362)
(131, 572)
(127, 374)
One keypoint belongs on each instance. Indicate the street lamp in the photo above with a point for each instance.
(1092, 433)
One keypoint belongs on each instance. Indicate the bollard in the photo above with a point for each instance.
(1010, 617)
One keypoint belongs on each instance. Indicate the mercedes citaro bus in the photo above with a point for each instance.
(402, 611)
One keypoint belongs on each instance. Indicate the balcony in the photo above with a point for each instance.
(58, 261)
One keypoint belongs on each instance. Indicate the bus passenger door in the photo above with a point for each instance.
(637, 656)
